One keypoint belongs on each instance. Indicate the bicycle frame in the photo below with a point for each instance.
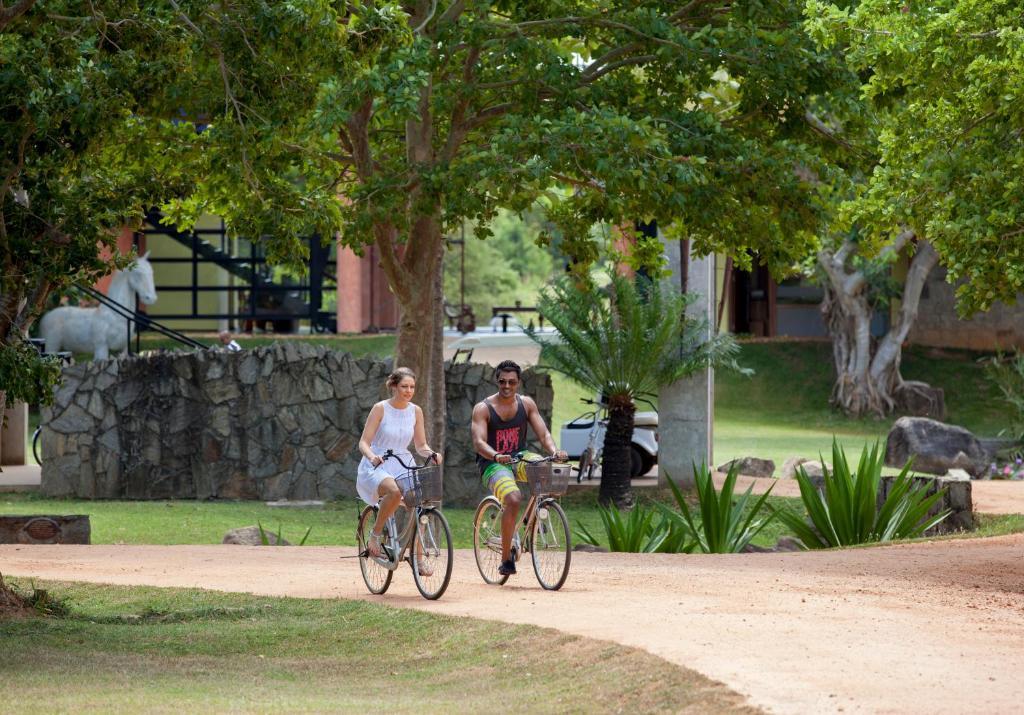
(398, 543)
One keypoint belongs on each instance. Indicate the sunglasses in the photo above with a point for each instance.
(511, 383)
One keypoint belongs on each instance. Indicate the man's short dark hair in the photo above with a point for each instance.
(508, 366)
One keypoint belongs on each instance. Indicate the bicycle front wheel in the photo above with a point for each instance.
(487, 540)
(36, 452)
(377, 577)
(432, 554)
(550, 546)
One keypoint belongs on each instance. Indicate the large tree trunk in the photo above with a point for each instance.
(868, 380)
(420, 330)
(616, 462)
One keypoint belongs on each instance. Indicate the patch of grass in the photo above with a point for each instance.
(783, 410)
(198, 522)
(151, 649)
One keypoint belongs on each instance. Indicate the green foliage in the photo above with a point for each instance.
(637, 532)
(944, 82)
(1006, 373)
(726, 525)
(624, 341)
(265, 538)
(26, 376)
(628, 339)
(846, 512)
(510, 265)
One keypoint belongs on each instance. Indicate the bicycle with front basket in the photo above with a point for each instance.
(424, 539)
(543, 530)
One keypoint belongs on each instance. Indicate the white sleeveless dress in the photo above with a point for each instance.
(394, 433)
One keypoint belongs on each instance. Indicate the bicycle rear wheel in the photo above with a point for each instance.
(432, 554)
(550, 547)
(377, 577)
(487, 540)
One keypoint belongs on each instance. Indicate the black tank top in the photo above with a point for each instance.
(506, 436)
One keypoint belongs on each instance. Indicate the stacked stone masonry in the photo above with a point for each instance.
(277, 422)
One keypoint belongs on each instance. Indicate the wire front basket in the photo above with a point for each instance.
(422, 486)
(548, 478)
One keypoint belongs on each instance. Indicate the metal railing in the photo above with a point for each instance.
(141, 320)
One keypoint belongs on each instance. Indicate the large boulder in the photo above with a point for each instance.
(934, 446)
(750, 466)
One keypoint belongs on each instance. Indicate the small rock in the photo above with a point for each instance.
(789, 467)
(788, 543)
(958, 475)
(590, 548)
(815, 469)
(755, 549)
(750, 466)
(250, 536)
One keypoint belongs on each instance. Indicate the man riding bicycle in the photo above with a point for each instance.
(499, 431)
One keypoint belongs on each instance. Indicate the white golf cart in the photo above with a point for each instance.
(583, 439)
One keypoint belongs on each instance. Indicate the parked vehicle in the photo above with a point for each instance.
(583, 439)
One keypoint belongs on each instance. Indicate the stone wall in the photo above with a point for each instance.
(957, 499)
(938, 325)
(279, 422)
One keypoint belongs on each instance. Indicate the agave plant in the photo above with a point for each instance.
(726, 524)
(637, 532)
(624, 341)
(846, 511)
(265, 536)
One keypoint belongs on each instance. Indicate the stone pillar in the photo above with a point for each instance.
(14, 435)
(686, 407)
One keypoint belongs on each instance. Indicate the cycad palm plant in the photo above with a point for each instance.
(622, 341)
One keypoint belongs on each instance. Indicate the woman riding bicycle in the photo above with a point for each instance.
(499, 430)
(391, 425)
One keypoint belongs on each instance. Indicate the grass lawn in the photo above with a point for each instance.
(199, 522)
(173, 650)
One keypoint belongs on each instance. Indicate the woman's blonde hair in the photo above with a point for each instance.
(399, 374)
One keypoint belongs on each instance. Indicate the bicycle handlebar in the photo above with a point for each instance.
(391, 455)
(516, 458)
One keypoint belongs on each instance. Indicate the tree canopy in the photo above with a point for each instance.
(72, 82)
(945, 83)
(434, 112)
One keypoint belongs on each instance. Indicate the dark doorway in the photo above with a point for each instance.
(753, 302)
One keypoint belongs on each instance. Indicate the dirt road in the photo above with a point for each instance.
(934, 627)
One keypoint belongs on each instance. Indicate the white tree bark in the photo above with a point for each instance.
(868, 379)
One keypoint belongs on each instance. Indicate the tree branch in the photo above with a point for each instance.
(12, 13)
(921, 265)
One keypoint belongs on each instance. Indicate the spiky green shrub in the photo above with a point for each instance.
(726, 524)
(846, 512)
(624, 340)
(638, 532)
(1007, 374)
(265, 537)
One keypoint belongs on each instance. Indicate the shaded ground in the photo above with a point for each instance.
(933, 626)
